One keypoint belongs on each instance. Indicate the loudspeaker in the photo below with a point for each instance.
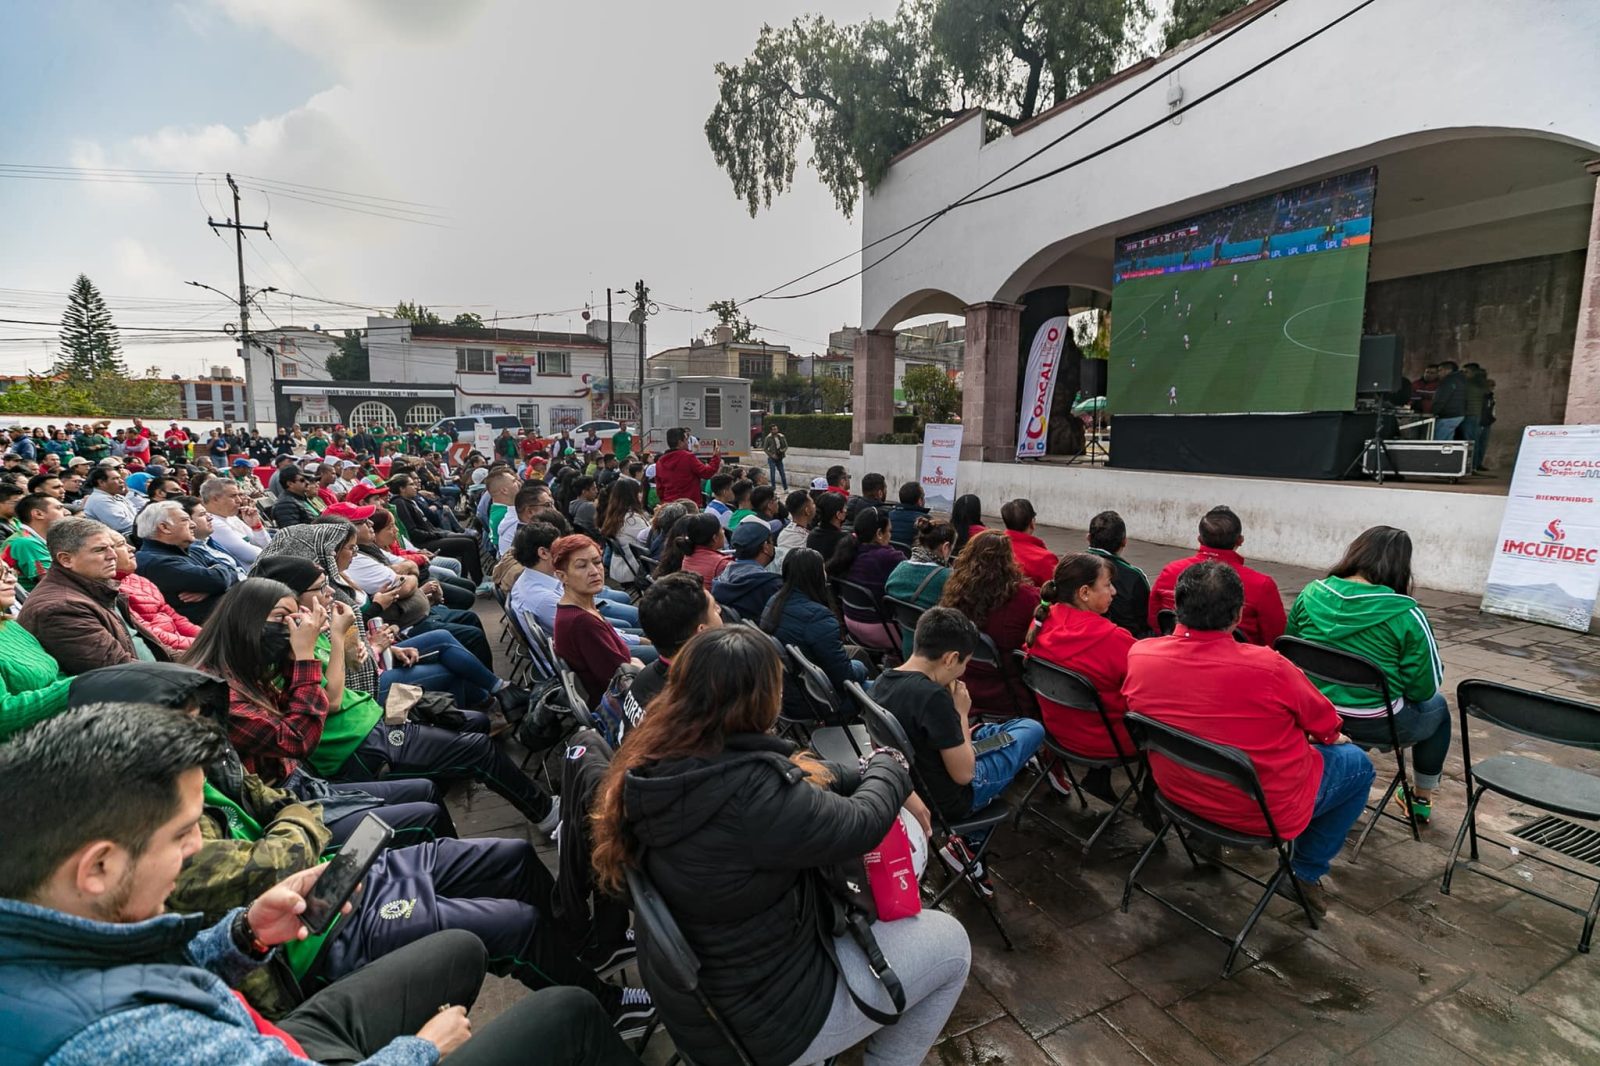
(1378, 371)
(1092, 377)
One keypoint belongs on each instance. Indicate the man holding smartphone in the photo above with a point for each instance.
(963, 771)
(93, 969)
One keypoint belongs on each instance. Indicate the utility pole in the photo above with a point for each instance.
(642, 310)
(244, 299)
(611, 373)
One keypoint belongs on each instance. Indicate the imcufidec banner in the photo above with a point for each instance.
(1546, 564)
(941, 451)
(1039, 387)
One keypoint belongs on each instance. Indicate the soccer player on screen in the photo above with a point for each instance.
(1172, 396)
(1185, 342)
(1269, 297)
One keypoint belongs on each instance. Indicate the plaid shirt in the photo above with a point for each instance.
(271, 743)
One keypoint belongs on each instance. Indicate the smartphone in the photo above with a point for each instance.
(345, 871)
(992, 742)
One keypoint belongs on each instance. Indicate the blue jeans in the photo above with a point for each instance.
(456, 670)
(775, 471)
(1445, 428)
(615, 608)
(1424, 725)
(1341, 797)
(998, 768)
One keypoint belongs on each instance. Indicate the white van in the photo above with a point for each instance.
(460, 427)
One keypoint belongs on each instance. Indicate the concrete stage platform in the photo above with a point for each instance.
(1300, 523)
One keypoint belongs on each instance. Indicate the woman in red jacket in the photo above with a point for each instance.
(1072, 632)
(988, 586)
(173, 630)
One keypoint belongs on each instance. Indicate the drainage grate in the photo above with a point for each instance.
(1564, 837)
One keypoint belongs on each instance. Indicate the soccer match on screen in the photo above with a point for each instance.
(1252, 308)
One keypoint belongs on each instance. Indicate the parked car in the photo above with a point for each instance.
(604, 428)
(461, 427)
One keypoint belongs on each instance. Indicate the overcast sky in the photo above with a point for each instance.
(563, 142)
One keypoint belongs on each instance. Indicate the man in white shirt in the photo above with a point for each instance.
(222, 498)
(108, 500)
(529, 498)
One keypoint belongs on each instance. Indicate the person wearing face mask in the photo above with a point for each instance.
(291, 704)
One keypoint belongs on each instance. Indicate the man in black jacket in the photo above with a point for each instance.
(1449, 401)
(671, 611)
(403, 489)
(294, 506)
(1130, 608)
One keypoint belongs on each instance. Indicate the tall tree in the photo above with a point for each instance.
(728, 314)
(932, 392)
(861, 93)
(90, 347)
(350, 363)
(467, 320)
(1190, 17)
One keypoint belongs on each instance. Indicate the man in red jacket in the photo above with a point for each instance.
(1204, 682)
(1220, 537)
(1037, 561)
(679, 473)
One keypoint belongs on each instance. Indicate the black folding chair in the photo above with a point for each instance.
(836, 739)
(886, 731)
(1230, 766)
(634, 559)
(1535, 783)
(1074, 692)
(902, 547)
(988, 654)
(905, 613)
(1334, 666)
(862, 600)
(668, 963)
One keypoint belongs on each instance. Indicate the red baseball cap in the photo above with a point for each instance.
(351, 511)
(361, 490)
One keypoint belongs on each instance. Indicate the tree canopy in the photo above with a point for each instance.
(931, 391)
(417, 314)
(728, 314)
(350, 363)
(1190, 17)
(860, 93)
(90, 346)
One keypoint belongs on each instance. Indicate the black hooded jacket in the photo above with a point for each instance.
(727, 840)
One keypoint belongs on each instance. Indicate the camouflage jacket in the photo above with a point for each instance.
(238, 862)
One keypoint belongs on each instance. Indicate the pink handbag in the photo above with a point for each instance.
(892, 876)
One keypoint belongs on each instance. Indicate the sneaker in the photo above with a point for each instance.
(635, 1014)
(957, 854)
(550, 824)
(1059, 781)
(620, 955)
(486, 588)
(512, 700)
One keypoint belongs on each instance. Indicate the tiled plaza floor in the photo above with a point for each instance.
(1397, 973)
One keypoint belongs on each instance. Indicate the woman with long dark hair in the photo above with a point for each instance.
(866, 559)
(1072, 631)
(1364, 606)
(719, 814)
(696, 545)
(625, 519)
(802, 612)
(827, 528)
(264, 643)
(988, 586)
(966, 516)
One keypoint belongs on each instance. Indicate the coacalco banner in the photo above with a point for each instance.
(1546, 564)
(1038, 387)
(941, 451)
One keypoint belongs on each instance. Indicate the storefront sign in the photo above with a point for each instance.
(941, 450)
(1546, 564)
(1039, 387)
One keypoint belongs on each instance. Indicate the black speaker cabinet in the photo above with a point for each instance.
(1092, 379)
(1378, 370)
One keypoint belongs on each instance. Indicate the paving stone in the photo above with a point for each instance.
(1495, 1024)
(1234, 1019)
(1001, 1041)
(1154, 1032)
(1092, 1041)
(1049, 980)
(1411, 1043)
(975, 1007)
(1302, 1050)
(1572, 991)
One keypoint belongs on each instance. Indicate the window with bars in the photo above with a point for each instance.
(755, 366)
(475, 360)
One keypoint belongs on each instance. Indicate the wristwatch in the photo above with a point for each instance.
(245, 939)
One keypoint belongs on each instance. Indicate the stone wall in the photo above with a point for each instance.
(1518, 319)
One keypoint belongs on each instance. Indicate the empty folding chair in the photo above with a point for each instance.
(1337, 667)
(837, 739)
(1230, 766)
(1072, 691)
(1533, 782)
(887, 732)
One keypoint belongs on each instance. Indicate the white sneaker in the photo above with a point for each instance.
(636, 1014)
(550, 824)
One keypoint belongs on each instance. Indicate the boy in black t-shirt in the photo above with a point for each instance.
(671, 611)
(928, 699)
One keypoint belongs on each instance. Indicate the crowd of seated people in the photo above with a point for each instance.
(227, 664)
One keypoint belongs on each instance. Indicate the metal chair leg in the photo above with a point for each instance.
(1588, 923)
(1144, 856)
(1410, 789)
(1372, 820)
(1468, 824)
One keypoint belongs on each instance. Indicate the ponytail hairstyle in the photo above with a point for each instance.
(931, 533)
(689, 534)
(1073, 572)
(965, 513)
(870, 521)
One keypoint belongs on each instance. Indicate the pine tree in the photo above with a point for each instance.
(90, 347)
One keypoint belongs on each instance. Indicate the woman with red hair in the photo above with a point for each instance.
(588, 643)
